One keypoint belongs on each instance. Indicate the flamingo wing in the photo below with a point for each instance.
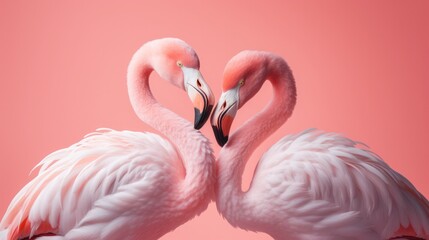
(326, 178)
(102, 181)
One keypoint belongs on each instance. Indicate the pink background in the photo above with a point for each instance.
(361, 69)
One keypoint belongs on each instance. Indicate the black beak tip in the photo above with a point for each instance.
(220, 138)
(201, 118)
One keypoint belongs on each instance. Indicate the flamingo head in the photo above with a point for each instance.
(175, 61)
(244, 75)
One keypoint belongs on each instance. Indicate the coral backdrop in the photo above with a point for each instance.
(361, 69)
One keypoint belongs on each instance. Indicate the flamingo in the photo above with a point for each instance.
(310, 185)
(123, 184)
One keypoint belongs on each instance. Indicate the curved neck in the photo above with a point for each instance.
(234, 156)
(195, 151)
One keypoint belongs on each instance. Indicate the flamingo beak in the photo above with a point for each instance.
(222, 118)
(200, 94)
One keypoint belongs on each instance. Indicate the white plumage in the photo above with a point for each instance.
(101, 178)
(311, 175)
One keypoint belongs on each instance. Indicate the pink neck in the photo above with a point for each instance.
(194, 148)
(234, 156)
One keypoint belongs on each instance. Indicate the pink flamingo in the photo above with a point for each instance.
(123, 184)
(311, 185)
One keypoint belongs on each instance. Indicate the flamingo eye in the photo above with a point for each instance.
(179, 63)
(241, 82)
